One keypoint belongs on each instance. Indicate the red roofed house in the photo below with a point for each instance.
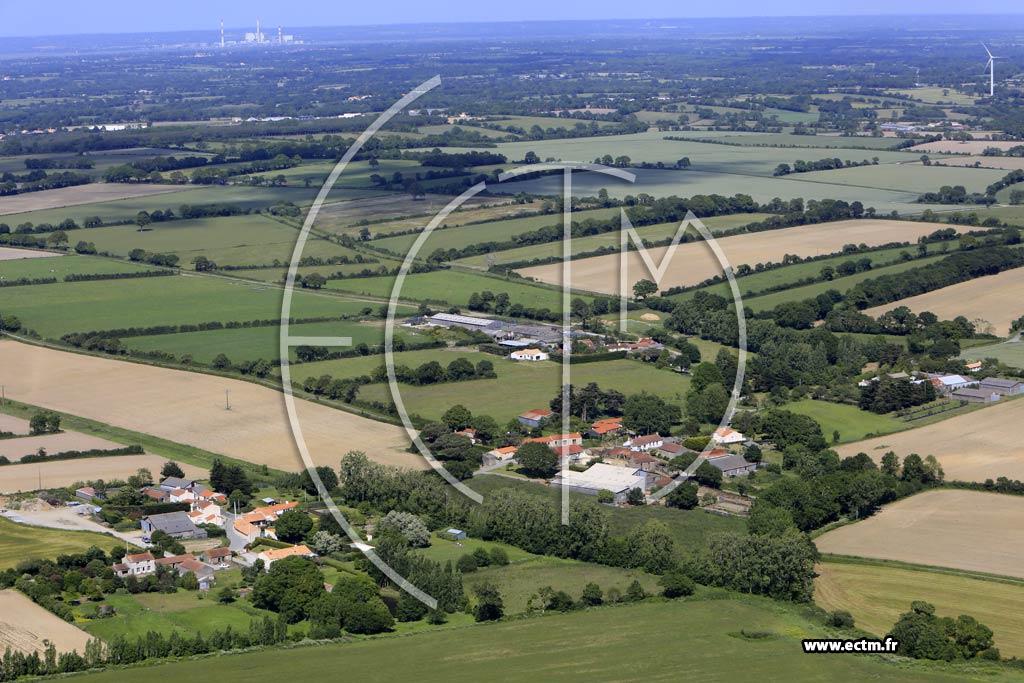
(260, 521)
(216, 556)
(602, 428)
(499, 455)
(724, 436)
(272, 555)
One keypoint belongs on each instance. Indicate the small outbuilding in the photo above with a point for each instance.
(454, 534)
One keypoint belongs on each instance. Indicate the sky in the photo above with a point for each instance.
(63, 17)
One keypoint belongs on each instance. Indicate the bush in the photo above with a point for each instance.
(676, 585)
(466, 564)
(840, 619)
(499, 557)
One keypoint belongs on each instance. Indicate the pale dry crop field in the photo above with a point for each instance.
(14, 425)
(694, 262)
(983, 444)
(12, 254)
(80, 194)
(61, 473)
(25, 627)
(16, 449)
(994, 299)
(189, 408)
(968, 530)
(1005, 163)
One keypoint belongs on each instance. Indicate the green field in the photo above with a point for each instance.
(522, 386)
(520, 581)
(785, 275)
(1010, 353)
(860, 145)
(493, 231)
(715, 224)
(251, 343)
(877, 593)
(852, 423)
(125, 209)
(19, 541)
(365, 365)
(66, 265)
(453, 287)
(907, 177)
(935, 95)
(233, 240)
(842, 284)
(700, 637)
(54, 310)
(761, 187)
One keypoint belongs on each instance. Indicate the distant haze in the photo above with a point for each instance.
(66, 17)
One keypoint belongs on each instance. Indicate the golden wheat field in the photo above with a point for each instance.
(983, 444)
(80, 194)
(16, 449)
(694, 262)
(60, 473)
(189, 408)
(27, 627)
(994, 300)
(969, 530)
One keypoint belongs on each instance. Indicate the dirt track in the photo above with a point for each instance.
(995, 299)
(984, 444)
(188, 408)
(967, 530)
(25, 626)
(28, 477)
(694, 262)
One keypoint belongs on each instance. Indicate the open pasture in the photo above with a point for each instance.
(907, 177)
(753, 154)
(231, 240)
(841, 284)
(252, 343)
(1010, 352)
(57, 309)
(69, 264)
(962, 146)
(715, 224)
(19, 541)
(27, 627)
(493, 231)
(757, 282)
(994, 301)
(698, 636)
(450, 286)
(980, 445)
(876, 595)
(936, 95)
(852, 423)
(858, 146)
(395, 212)
(762, 187)
(525, 385)
(113, 210)
(61, 473)
(968, 530)
(79, 194)
(16, 449)
(694, 262)
(189, 408)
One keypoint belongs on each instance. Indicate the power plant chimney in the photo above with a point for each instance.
(259, 36)
(222, 33)
(280, 36)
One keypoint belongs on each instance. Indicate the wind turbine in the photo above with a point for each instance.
(991, 71)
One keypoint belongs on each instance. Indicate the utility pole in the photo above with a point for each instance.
(227, 399)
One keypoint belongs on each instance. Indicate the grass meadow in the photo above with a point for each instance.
(1010, 353)
(54, 310)
(852, 423)
(71, 264)
(18, 541)
(520, 386)
(699, 636)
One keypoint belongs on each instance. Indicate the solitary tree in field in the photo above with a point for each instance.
(142, 219)
(171, 469)
(644, 289)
